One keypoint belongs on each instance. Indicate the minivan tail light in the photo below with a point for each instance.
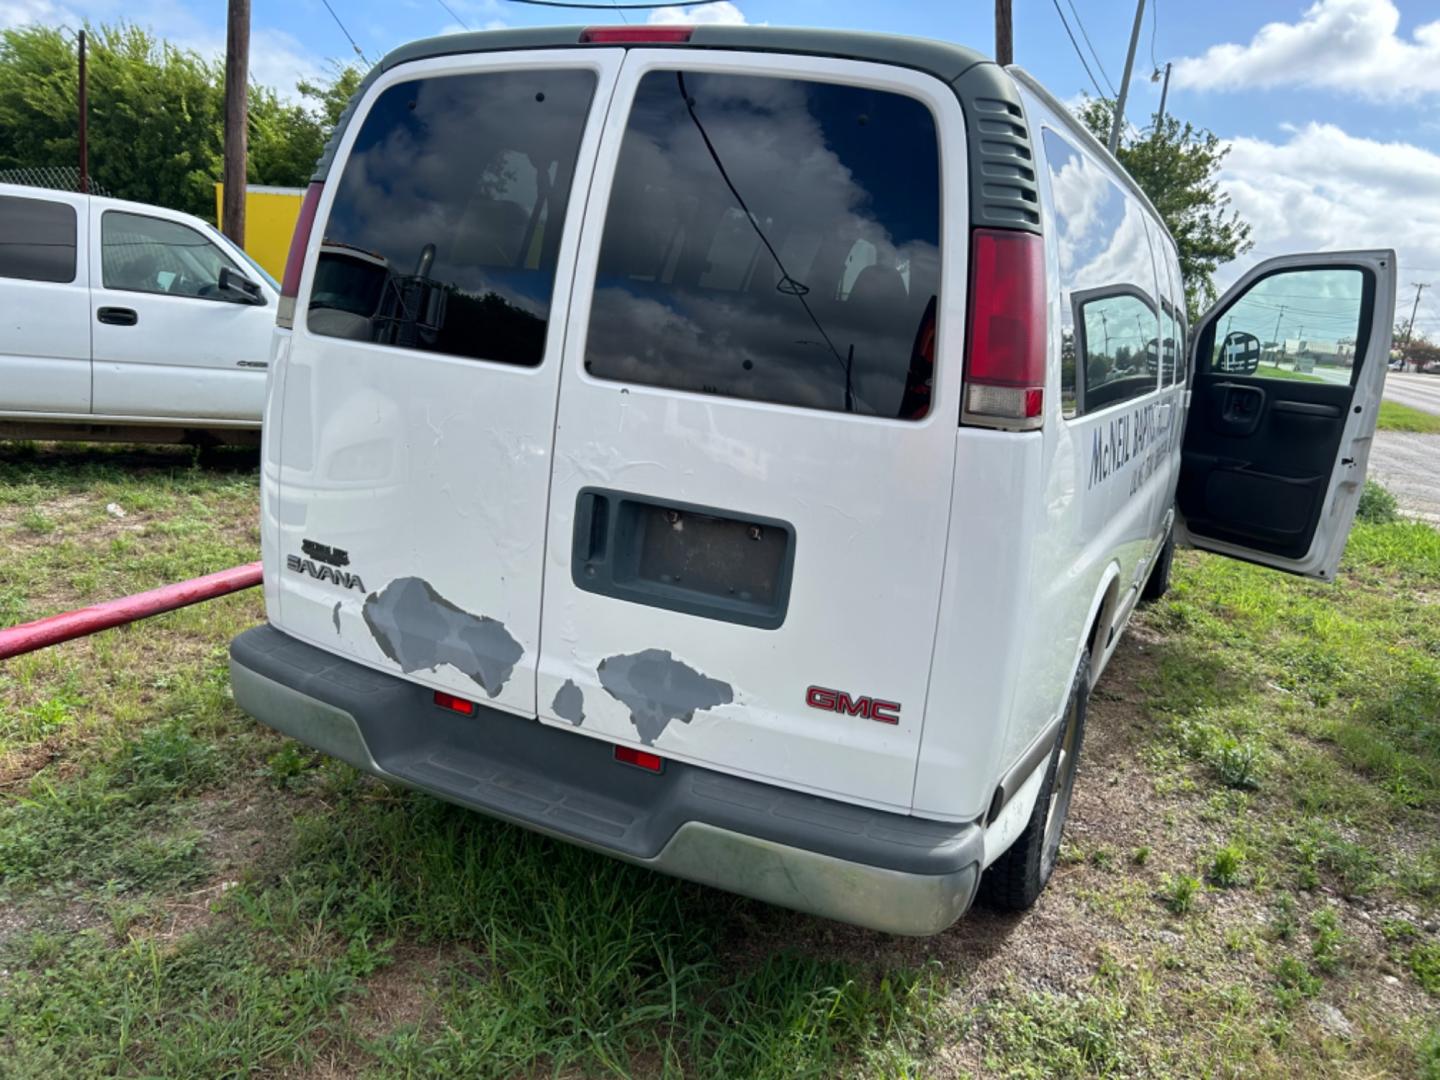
(295, 261)
(634, 35)
(1005, 353)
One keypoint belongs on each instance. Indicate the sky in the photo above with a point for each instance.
(1331, 107)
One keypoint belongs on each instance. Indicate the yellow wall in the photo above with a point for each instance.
(270, 216)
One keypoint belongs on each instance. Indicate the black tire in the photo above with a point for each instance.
(1016, 879)
(1158, 583)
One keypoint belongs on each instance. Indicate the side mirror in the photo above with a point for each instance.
(236, 286)
(1239, 353)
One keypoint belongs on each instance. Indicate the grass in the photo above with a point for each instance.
(185, 894)
(1397, 417)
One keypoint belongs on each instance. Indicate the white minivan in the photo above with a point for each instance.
(739, 450)
(127, 321)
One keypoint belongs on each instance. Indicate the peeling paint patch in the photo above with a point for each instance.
(569, 703)
(335, 616)
(418, 628)
(657, 688)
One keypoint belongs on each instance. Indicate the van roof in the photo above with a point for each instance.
(1003, 188)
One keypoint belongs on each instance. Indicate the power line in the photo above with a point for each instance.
(348, 38)
(1085, 34)
(451, 10)
(1073, 44)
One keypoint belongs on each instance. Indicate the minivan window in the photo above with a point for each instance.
(1110, 328)
(37, 239)
(774, 240)
(445, 230)
(139, 253)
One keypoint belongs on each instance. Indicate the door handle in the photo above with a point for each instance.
(117, 316)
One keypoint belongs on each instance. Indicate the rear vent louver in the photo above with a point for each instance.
(1003, 190)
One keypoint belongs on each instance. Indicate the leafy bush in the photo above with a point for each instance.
(1377, 505)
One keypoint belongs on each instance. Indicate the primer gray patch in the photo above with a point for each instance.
(569, 703)
(418, 628)
(335, 616)
(657, 688)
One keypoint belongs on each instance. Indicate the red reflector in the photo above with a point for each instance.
(1005, 357)
(616, 35)
(300, 240)
(455, 704)
(639, 758)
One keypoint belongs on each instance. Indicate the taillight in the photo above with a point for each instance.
(623, 35)
(455, 704)
(641, 759)
(295, 261)
(1005, 355)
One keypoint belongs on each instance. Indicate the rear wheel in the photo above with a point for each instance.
(1158, 583)
(1015, 880)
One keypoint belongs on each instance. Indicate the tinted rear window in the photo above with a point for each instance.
(446, 226)
(775, 240)
(37, 239)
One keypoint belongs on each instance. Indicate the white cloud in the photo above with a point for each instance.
(1350, 45)
(1324, 189)
(722, 13)
(28, 12)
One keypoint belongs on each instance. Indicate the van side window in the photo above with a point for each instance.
(139, 253)
(1110, 324)
(445, 230)
(774, 240)
(37, 239)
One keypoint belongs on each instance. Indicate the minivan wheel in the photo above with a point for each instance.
(1015, 880)
(1158, 583)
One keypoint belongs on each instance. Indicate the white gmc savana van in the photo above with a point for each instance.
(739, 450)
(127, 321)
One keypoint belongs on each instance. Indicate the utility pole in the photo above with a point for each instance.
(1164, 93)
(1414, 310)
(1004, 34)
(84, 99)
(1125, 79)
(1276, 335)
(237, 135)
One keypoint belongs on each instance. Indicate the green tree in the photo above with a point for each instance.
(1176, 165)
(156, 116)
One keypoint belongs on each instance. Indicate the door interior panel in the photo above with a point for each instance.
(1262, 442)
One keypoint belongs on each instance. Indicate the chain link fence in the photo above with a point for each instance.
(58, 177)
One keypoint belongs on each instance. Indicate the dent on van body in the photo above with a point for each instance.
(418, 628)
(657, 689)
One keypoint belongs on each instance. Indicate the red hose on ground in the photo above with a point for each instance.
(27, 637)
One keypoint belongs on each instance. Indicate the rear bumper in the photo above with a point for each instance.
(885, 871)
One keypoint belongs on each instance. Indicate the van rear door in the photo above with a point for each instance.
(419, 391)
(1288, 372)
(757, 421)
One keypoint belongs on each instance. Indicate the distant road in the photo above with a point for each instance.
(1418, 391)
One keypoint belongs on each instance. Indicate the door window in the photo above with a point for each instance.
(152, 255)
(445, 231)
(1295, 325)
(1109, 318)
(37, 239)
(774, 240)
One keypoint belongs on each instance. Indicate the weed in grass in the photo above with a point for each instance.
(1103, 857)
(1180, 891)
(1424, 963)
(1293, 981)
(35, 521)
(1048, 1035)
(289, 765)
(1225, 866)
(1429, 1056)
(1236, 763)
(1329, 941)
(1140, 856)
(1377, 505)
(1283, 920)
